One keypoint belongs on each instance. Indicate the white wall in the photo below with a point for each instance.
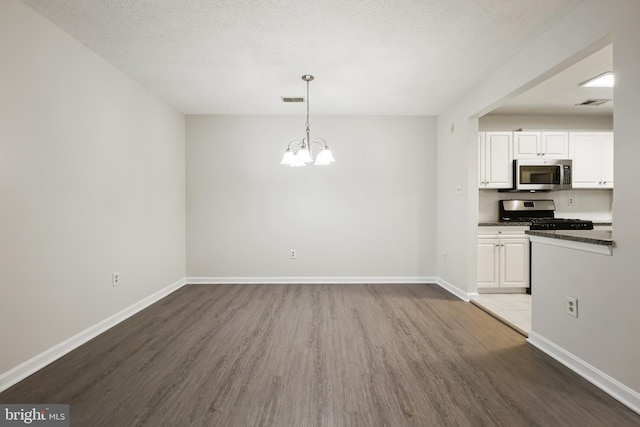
(91, 182)
(605, 334)
(607, 339)
(458, 166)
(371, 214)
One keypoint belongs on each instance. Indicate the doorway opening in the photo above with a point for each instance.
(559, 105)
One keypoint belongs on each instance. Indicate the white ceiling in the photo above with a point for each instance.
(397, 57)
(560, 94)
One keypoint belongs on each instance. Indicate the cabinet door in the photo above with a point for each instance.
(481, 162)
(585, 153)
(498, 160)
(606, 159)
(554, 145)
(514, 263)
(526, 145)
(488, 263)
(592, 154)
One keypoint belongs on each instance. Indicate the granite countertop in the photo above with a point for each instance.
(504, 223)
(524, 223)
(596, 237)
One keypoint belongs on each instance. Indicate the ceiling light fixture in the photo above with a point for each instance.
(603, 80)
(300, 152)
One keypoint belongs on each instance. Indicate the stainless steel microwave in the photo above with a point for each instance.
(542, 175)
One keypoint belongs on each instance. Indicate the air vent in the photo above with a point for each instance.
(593, 102)
(292, 99)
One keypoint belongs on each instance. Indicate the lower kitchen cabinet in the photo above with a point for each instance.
(503, 263)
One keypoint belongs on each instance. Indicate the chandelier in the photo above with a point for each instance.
(300, 152)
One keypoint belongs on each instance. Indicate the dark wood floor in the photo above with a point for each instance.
(316, 355)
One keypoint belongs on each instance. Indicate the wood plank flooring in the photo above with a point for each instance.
(316, 355)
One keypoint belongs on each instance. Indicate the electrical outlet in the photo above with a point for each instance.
(572, 306)
(444, 256)
(115, 279)
(293, 254)
(570, 201)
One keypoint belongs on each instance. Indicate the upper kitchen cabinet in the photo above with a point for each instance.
(540, 145)
(495, 158)
(592, 155)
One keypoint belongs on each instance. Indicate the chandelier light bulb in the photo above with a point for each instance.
(304, 155)
(324, 158)
(287, 157)
(297, 162)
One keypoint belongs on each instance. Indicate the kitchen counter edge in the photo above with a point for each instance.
(526, 224)
(596, 237)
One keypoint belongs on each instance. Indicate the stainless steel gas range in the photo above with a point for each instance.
(540, 214)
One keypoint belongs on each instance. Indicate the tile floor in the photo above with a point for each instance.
(513, 309)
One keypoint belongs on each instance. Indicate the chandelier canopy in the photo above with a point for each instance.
(300, 152)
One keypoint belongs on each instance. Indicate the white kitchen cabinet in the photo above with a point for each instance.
(592, 155)
(540, 145)
(503, 263)
(488, 263)
(514, 262)
(495, 157)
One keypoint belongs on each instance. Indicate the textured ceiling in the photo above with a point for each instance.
(368, 56)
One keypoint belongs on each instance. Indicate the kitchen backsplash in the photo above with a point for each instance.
(594, 205)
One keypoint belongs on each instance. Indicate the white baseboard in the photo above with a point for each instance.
(613, 387)
(310, 280)
(472, 295)
(20, 372)
(464, 296)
